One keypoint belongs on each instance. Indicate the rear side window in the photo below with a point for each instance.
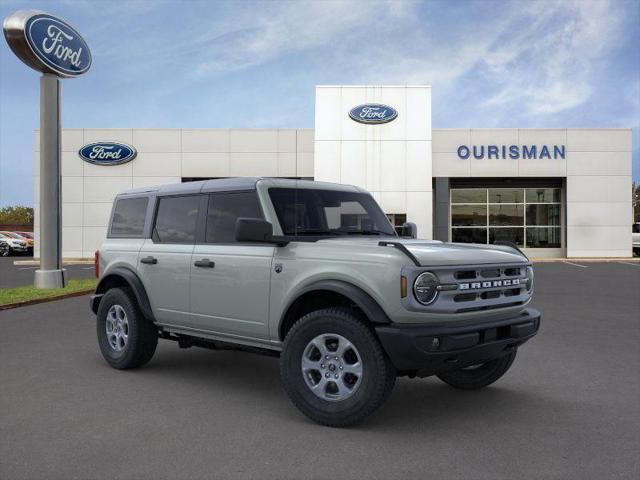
(128, 217)
(224, 210)
(176, 219)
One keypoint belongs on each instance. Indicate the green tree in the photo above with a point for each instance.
(16, 215)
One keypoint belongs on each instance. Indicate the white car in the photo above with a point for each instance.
(636, 238)
(15, 244)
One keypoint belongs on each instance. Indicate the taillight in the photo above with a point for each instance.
(96, 263)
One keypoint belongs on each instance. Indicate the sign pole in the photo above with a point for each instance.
(49, 45)
(50, 274)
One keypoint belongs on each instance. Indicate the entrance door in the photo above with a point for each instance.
(230, 280)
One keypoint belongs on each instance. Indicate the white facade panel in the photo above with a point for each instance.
(102, 189)
(210, 164)
(200, 141)
(156, 140)
(157, 164)
(599, 140)
(153, 181)
(92, 135)
(598, 163)
(255, 141)
(447, 164)
(448, 140)
(253, 164)
(598, 189)
(96, 214)
(377, 157)
(72, 140)
(72, 215)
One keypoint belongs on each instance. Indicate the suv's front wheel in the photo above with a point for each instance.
(126, 338)
(334, 369)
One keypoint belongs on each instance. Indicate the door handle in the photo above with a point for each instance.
(204, 263)
(149, 260)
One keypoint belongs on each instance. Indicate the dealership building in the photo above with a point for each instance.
(554, 192)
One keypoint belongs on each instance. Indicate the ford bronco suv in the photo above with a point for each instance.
(313, 273)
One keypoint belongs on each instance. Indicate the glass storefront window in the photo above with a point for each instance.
(544, 237)
(543, 195)
(513, 235)
(543, 214)
(469, 235)
(528, 217)
(506, 195)
(506, 215)
(468, 215)
(469, 195)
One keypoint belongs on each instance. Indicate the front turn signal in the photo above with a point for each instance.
(403, 286)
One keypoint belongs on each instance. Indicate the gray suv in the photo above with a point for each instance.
(313, 273)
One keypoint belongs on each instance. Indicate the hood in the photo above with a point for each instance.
(433, 252)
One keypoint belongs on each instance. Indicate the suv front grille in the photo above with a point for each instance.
(475, 288)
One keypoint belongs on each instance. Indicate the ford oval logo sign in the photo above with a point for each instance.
(47, 43)
(373, 113)
(107, 153)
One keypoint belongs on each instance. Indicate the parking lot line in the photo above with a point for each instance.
(632, 264)
(576, 264)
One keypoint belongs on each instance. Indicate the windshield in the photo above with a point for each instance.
(328, 212)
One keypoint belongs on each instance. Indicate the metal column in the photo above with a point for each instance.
(50, 274)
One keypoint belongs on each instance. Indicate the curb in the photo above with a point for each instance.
(26, 303)
(36, 263)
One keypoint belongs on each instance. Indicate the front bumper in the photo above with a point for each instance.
(431, 349)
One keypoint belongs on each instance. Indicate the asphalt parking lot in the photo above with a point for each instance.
(569, 407)
(20, 275)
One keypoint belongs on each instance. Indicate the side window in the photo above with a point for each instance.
(224, 210)
(128, 217)
(176, 219)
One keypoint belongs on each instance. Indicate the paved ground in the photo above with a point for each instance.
(19, 275)
(569, 408)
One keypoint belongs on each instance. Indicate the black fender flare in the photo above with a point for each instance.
(133, 281)
(359, 297)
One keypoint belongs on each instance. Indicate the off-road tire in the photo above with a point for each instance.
(378, 377)
(142, 333)
(481, 376)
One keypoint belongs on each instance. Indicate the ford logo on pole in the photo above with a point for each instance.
(47, 43)
(373, 113)
(107, 153)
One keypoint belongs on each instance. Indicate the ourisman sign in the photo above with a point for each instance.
(513, 152)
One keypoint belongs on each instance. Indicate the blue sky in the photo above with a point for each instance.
(255, 64)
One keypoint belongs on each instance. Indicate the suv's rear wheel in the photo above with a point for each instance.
(126, 338)
(481, 375)
(334, 369)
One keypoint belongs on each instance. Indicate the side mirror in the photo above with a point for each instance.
(409, 230)
(256, 230)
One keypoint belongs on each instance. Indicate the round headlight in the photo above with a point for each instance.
(425, 288)
(529, 279)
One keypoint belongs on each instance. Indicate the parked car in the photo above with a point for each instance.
(22, 235)
(16, 244)
(4, 248)
(312, 272)
(635, 229)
